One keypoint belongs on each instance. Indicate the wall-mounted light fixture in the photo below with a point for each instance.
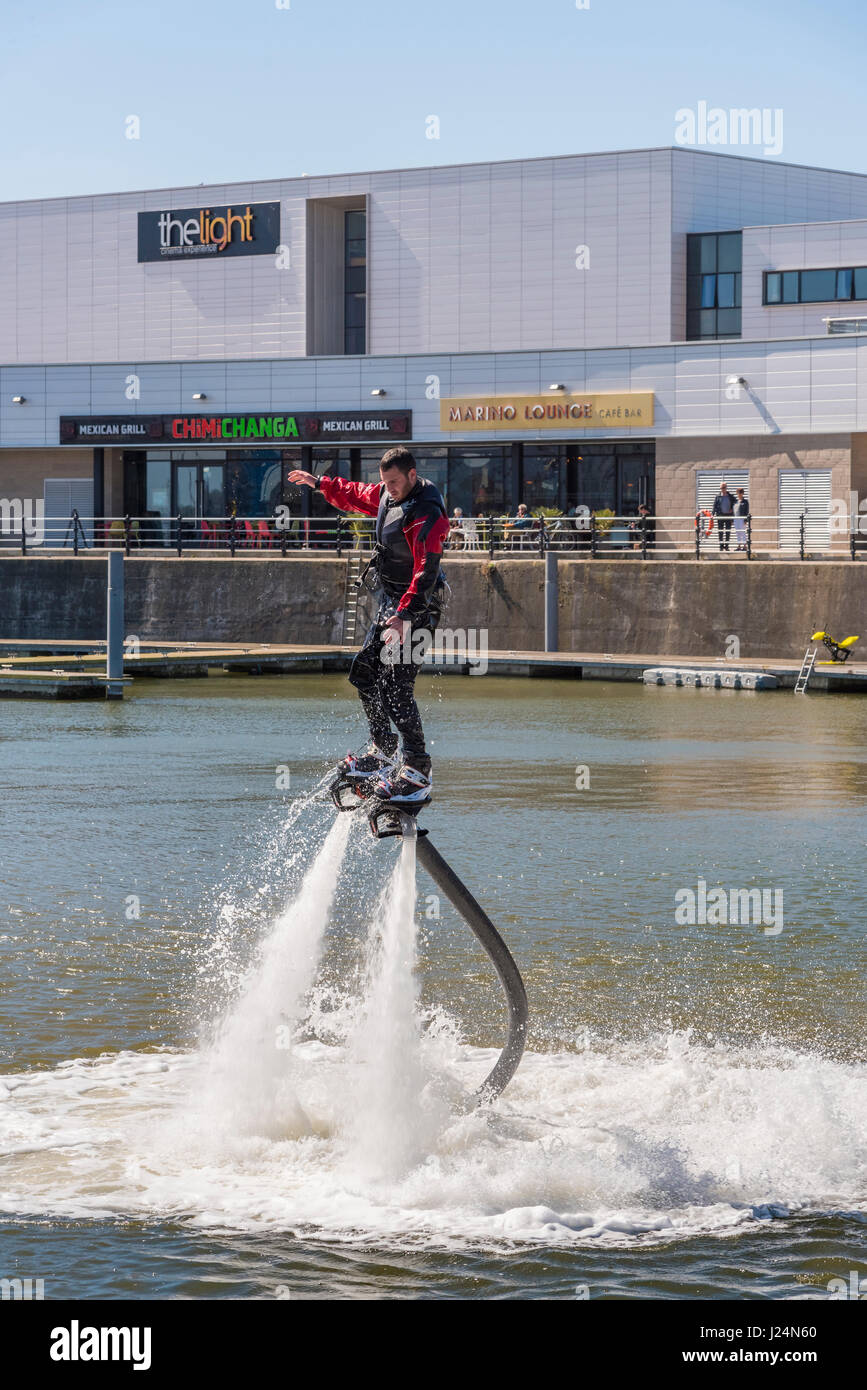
(556, 386)
(377, 391)
(199, 396)
(18, 400)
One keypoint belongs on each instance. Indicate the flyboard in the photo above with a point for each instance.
(387, 820)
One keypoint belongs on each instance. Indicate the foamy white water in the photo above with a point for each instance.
(615, 1143)
(248, 1087)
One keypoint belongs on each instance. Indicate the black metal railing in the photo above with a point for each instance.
(589, 535)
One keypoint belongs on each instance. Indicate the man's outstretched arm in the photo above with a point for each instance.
(340, 493)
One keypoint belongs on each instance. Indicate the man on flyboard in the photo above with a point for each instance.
(411, 524)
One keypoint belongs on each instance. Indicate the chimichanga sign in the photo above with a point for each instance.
(623, 410)
(295, 427)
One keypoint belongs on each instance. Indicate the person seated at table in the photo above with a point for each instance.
(521, 522)
(456, 529)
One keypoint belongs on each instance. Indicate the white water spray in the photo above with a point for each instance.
(391, 1121)
(250, 1069)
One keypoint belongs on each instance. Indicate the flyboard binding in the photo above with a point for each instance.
(384, 817)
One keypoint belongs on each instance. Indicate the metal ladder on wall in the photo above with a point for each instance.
(350, 598)
(806, 670)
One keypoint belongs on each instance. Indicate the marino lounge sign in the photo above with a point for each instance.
(625, 410)
(251, 229)
(284, 428)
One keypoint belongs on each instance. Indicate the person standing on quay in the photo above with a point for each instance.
(742, 511)
(723, 510)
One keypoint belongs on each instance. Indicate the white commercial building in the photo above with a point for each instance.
(591, 330)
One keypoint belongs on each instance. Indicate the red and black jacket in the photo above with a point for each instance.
(410, 532)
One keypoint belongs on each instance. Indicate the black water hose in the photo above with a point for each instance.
(513, 986)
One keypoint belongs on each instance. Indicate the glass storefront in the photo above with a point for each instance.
(615, 476)
(550, 472)
(431, 462)
(190, 483)
(470, 478)
(477, 480)
(158, 486)
(635, 483)
(254, 481)
(200, 488)
(208, 482)
(203, 484)
(599, 474)
(336, 462)
(597, 488)
(184, 482)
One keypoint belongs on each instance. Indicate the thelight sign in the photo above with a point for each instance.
(245, 229)
(627, 410)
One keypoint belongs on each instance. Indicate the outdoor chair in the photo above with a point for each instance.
(523, 537)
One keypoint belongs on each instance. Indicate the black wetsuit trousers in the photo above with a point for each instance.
(387, 695)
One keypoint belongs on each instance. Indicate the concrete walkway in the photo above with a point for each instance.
(22, 661)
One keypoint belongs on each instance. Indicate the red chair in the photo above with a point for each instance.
(264, 534)
(248, 535)
(209, 535)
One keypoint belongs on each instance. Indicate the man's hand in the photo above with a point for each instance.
(299, 476)
(399, 627)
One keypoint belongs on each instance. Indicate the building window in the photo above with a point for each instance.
(334, 461)
(551, 474)
(844, 282)
(815, 286)
(433, 464)
(615, 477)
(598, 474)
(477, 480)
(545, 476)
(818, 285)
(355, 283)
(713, 285)
(473, 479)
(255, 480)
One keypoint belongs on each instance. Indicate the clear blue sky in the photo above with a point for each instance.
(245, 90)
